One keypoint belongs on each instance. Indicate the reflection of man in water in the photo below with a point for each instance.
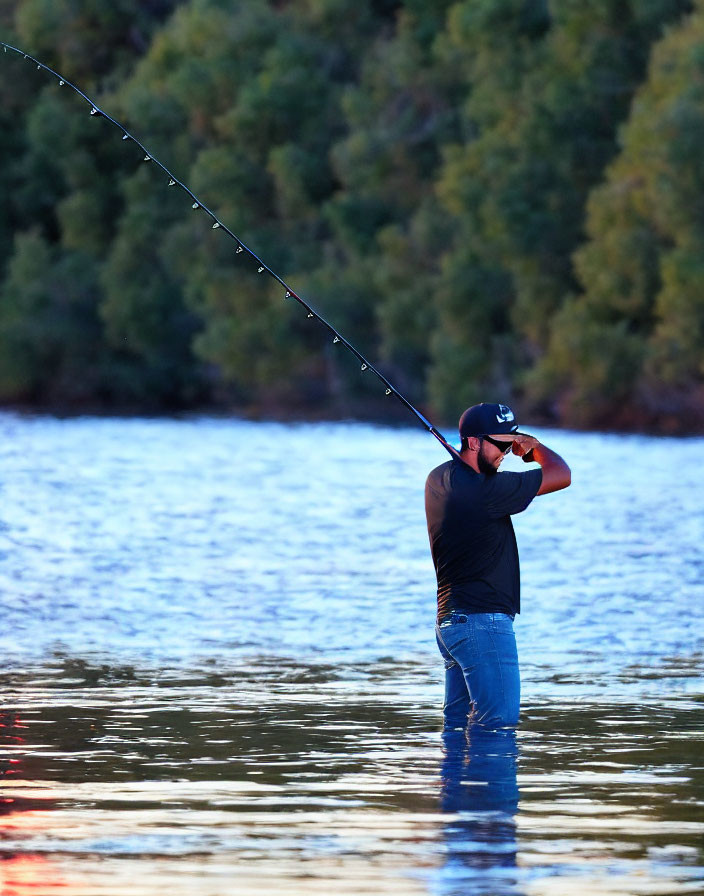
(480, 794)
(469, 506)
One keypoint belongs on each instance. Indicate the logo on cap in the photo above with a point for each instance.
(505, 414)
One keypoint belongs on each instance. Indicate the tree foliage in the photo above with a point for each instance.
(491, 198)
(637, 326)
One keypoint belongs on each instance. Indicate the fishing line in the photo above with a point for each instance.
(241, 249)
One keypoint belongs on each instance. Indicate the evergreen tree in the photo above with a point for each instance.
(64, 199)
(628, 349)
(547, 87)
(385, 217)
(246, 103)
(49, 331)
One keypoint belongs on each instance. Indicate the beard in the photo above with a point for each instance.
(484, 466)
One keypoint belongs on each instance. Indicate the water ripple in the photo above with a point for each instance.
(219, 671)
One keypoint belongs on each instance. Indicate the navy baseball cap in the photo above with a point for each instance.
(487, 419)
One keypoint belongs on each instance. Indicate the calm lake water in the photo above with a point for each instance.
(219, 672)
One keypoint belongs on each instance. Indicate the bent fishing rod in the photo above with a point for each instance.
(241, 249)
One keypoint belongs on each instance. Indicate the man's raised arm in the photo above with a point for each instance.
(556, 473)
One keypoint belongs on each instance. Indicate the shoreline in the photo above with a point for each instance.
(396, 418)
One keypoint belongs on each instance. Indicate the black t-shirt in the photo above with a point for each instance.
(471, 536)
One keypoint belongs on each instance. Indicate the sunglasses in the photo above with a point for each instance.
(504, 447)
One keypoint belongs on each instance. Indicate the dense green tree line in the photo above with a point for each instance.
(491, 198)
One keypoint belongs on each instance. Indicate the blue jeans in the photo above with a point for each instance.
(481, 670)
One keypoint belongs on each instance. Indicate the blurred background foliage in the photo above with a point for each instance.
(492, 199)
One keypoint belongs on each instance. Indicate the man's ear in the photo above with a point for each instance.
(474, 443)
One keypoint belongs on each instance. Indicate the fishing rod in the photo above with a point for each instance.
(217, 224)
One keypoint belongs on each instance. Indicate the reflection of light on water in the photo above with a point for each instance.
(216, 876)
(22, 874)
(30, 876)
(598, 817)
(301, 850)
(22, 871)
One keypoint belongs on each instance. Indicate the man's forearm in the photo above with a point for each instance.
(556, 473)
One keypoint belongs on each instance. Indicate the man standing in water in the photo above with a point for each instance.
(468, 505)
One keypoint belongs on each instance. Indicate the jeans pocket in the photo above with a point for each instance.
(458, 640)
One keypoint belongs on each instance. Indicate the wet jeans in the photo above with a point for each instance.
(482, 682)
